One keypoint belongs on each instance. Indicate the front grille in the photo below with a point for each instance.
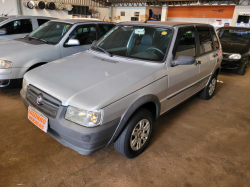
(50, 105)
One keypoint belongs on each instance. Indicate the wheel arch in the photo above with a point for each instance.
(149, 102)
(36, 65)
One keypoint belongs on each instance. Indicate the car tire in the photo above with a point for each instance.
(208, 92)
(242, 70)
(140, 124)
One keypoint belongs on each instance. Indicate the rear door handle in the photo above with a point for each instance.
(215, 55)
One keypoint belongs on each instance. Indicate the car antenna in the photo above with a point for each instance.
(105, 15)
(8, 12)
(146, 21)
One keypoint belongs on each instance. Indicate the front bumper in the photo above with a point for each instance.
(12, 73)
(233, 64)
(82, 139)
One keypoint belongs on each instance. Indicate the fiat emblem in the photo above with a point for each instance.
(39, 99)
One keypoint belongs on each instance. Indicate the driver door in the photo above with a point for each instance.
(183, 78)
(86, 34)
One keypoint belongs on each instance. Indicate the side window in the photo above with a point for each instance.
(185, 42)
(206, 43)
(215, 39)
(86, 34)
(104, 29)
(18, 26)
(42, 21)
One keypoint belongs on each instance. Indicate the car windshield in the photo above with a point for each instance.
(3, 19)
(50, 32)
(234, 35)
(148, 43)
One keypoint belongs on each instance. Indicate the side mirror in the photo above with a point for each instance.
(72, 42)
(184, 60)
(3, 32)
(94, 42)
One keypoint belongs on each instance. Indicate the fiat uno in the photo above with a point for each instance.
(117, 89)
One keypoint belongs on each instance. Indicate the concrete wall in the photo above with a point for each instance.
(129, 12)
(237, 10)
(164, 13)
(103, 12)
(8, 5)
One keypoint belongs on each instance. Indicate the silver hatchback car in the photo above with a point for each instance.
(116, 90)
(51, 41)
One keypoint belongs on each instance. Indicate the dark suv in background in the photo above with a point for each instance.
(235, 43)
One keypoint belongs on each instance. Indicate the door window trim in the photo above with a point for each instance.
(196, 39)
(80, 25)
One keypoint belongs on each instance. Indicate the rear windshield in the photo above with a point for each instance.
(3, 19)
(234, 35)
(147, 43)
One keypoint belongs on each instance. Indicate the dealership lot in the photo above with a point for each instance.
(199, 143)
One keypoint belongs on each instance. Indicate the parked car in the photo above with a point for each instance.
(51, 41)
(235, 43)
(117, 89)
(12, 27)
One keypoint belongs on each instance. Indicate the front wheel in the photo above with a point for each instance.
(208, 92)
(135, 137)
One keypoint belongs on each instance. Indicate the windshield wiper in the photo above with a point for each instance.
(104, 51)
(38, 39)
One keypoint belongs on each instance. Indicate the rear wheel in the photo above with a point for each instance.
(208, 92)
(135, 137)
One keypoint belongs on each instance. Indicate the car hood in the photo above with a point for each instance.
(228, 47)
(90, 81)
(20, 50)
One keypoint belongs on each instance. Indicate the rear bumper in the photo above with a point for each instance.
(82, 139)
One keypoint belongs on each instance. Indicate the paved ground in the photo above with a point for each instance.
(200, 143)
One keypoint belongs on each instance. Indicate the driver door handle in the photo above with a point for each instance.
(215, 55)
(197, 62)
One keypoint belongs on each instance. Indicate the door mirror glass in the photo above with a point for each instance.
(184, 60)
(2, 32)
(73, 42)
(94, 42)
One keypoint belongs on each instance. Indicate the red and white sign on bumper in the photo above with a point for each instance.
(38, 119)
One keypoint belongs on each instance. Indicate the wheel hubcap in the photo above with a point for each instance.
(140, 134)
(212, 86)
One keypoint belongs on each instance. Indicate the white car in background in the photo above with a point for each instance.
(51, 41)
(12, 27)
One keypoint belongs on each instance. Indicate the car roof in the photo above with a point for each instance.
(161, 23)
(229, 27)
(75, 21)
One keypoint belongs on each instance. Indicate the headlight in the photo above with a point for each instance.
(235, 56)
(84, 117)
(25, 84)
(5, 64)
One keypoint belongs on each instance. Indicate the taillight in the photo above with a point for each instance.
(220, 53)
